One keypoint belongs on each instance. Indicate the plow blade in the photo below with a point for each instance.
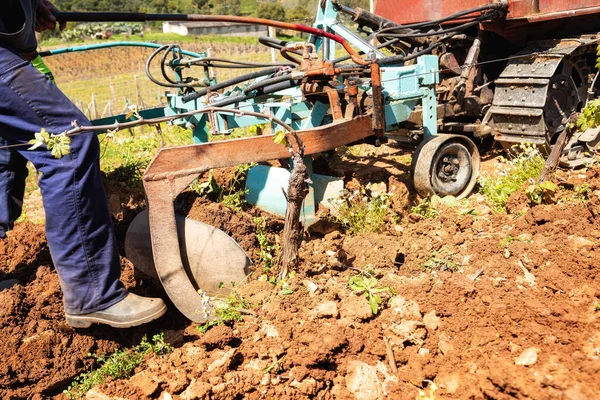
(201, 262)
(173, 169)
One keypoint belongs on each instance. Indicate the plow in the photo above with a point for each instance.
(440, 79)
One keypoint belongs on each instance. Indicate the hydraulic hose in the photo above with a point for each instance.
(267, 82)
(171, 83)
(142, 17)
(438, 32)
(229, 82)
(215, 62)
(381, 46)
(402, 59)
(432, 33)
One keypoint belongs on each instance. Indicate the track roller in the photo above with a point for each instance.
(446, 165)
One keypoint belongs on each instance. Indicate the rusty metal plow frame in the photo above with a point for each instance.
(173, 169)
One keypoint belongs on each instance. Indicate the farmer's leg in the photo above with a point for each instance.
(13, 172)
(78, 225)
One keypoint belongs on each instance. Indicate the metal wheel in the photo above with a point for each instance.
(568, 89)
(446, 165)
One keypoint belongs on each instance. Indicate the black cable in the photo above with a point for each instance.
(279, 86)
(267, 82)
(401, 59)
(285, 54)
(230, 82)
(179, 85)
(434, 33)
(265, 91)
(272, 42)
(459, 14)
(149, 74)
(210, 62)
(163, 61)
(381, 46)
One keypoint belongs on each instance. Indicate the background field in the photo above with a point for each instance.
(117, 75)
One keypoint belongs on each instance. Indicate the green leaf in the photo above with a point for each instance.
(59, 145)
(281, 138)
(549, 186)
(449, 201)
(357, 284)
(374, 304)
(286, 291)
(41, 139)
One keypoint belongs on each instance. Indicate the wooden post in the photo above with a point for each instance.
(140, 101)
(107, 110)
(114, 96)
(93, 108)
(211, 70)
(273, 34)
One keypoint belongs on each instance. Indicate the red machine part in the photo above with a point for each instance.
(531, 10)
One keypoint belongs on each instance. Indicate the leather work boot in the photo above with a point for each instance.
(133, 310)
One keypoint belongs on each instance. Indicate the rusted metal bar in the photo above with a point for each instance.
(378, 120)
(557, 150)
(334, 103)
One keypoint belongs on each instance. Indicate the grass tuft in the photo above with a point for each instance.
(118, 365)
(525, 166)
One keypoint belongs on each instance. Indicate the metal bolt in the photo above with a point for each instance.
(510, 127)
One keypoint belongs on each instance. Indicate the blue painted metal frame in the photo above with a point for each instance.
(88, 47)
(404, 87)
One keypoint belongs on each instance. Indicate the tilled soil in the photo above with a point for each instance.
(487, 306)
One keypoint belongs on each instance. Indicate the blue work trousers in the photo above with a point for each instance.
(78, 224)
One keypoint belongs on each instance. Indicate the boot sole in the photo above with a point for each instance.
(82, 321)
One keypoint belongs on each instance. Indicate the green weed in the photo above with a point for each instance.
(405, 159)
(440, 262)
(367, 285)
(579, 194)
(432, 390)
(362, 211)
(124, 155)
(276, 366)
(209, 189)
(539, 193)
(236, 200)
(430, 207)
(526, 165)
(227, 312)
(118, 365)
(232, 195)
(597, 307)
(507, 241)
(267, 249)
(590, 116)
(425, 209)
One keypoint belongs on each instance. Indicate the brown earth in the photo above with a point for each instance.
(487, 306)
